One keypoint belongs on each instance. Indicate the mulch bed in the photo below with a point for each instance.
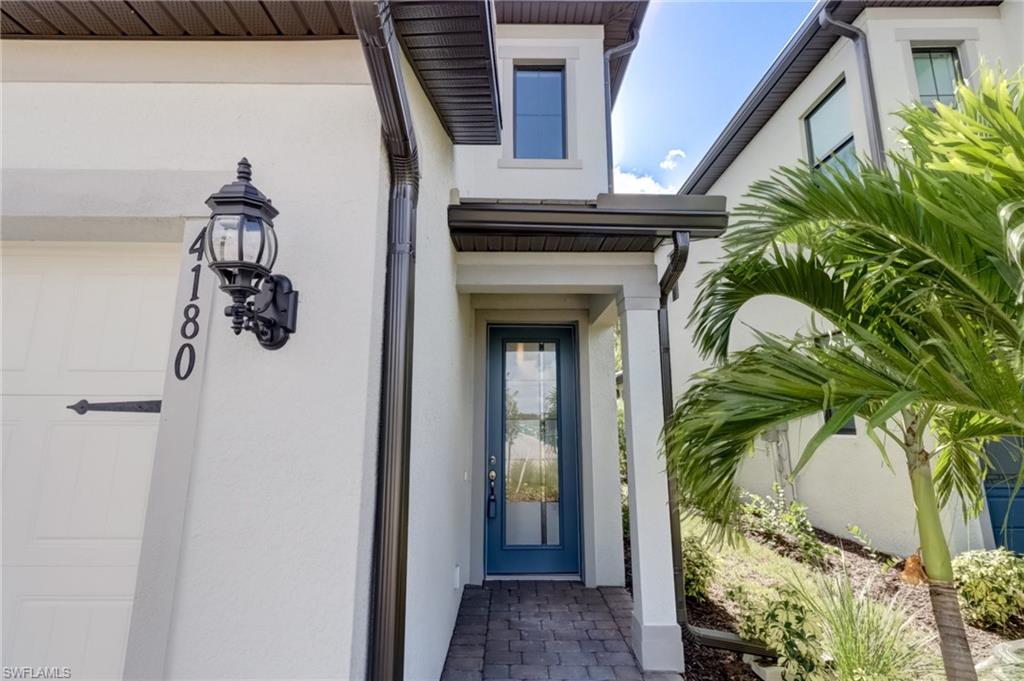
(865, 571)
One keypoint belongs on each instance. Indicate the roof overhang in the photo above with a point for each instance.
(619, 19)
(802, 53)
(449, 44)
(612, 223)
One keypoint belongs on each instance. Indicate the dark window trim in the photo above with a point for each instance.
(810, 139)
(937, 49)
(515, 106)
(848, 428)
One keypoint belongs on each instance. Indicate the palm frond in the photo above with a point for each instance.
(724, 291)
(919, 268)
(961, 461)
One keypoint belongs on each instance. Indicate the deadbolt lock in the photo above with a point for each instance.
(492, 475)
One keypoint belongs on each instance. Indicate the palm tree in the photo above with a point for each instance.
(915, 273)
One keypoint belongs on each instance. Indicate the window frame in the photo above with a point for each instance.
(958, 70)
(809, 138)
(556, 67)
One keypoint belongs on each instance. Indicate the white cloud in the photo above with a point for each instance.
(631, 183)
(670, 161)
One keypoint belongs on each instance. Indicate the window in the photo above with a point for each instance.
(539, 94)
(938, 73)
(830, 133)
(850, 427)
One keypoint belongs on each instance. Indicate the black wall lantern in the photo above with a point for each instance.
(241, 247)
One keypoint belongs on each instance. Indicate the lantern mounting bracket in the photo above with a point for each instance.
(241, 247)
(272, 314)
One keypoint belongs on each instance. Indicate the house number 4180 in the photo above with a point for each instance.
(185, 360)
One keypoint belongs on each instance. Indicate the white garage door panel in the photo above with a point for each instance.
(79, 321)
(75, 486)
(84, 318)
(67, 617)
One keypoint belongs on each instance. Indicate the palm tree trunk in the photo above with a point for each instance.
(956, 652)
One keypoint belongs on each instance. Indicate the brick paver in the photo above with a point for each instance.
(544, 630)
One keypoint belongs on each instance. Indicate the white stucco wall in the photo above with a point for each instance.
(442, 407)
(273, 574)
(493, 172)
(847, 482)
(980, 35)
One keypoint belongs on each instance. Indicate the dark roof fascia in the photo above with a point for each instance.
(618, 69)
(755, 111)
(451, 48)
(557, 219)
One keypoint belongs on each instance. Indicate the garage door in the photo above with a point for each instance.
(80, 320)
(1005, 500)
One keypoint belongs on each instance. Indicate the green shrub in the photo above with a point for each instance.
(784, 524)
(698, 567)
(862, 639)
(778, 618)
(991, 587)
(823, 631)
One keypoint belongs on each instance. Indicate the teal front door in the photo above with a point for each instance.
(532, 453)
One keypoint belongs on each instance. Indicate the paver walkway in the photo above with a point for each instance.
(544, 630)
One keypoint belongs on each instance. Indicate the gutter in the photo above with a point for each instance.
(620, 51)
(867, 80)
(801, 39)
(712, 638)
(386, 631)
(792, 61)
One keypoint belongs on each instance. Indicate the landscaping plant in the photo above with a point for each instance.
(991, 587)
(778, 618)
(861, 639)
(916, 269)
(699, 567)
(784, 524)
(822, 630)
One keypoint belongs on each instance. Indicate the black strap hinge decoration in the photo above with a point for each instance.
(139, 406)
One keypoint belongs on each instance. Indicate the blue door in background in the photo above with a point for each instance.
(532, 453)
(1005, 509)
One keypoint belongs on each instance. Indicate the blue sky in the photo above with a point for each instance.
(696, 63)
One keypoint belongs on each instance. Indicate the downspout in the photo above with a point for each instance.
(867, 81)
(386, 631)
(713, 638)
(613, 53)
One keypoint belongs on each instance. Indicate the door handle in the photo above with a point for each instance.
(492, 501)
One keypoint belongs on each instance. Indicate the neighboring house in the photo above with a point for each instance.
(811, 106)
(316, 511)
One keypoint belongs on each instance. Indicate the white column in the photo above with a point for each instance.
(657, 639)
(600, 469)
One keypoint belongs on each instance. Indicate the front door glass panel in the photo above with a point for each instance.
(531, 443)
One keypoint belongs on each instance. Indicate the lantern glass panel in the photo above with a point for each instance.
(253, 241)
(223, 238)
(269, 248)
